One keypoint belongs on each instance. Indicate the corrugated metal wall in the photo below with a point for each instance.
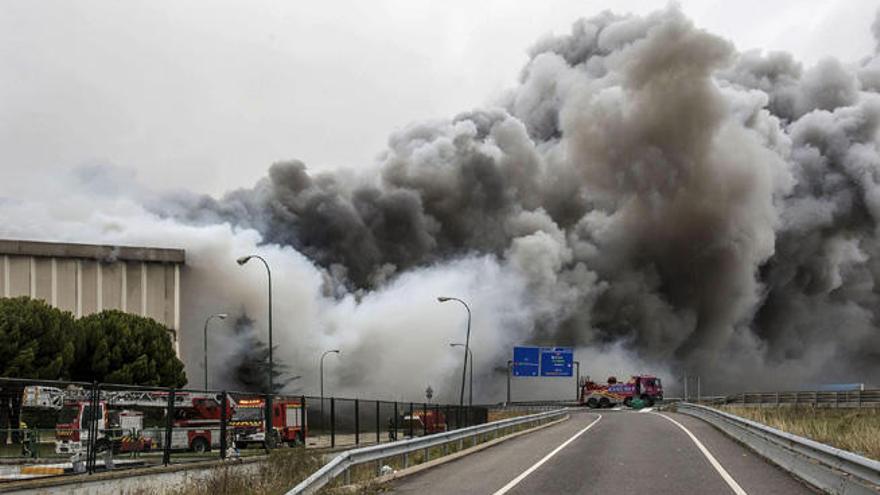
(84, 286)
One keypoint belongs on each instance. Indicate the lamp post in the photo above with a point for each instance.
(335, 351)
(467, 343)
(471, 386)
(269, 410)
(321, 373)
(221, 316)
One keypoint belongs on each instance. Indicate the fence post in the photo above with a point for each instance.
(91, 451)
(224, 404)
(410, 419)
(332, 422)
(303, 424)
(394, 422)
(378, 422)
(169, 426)
(269, 419)
(357, 422)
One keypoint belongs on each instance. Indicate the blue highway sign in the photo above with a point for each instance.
(543, 361)
(557, 361)
(526, 361)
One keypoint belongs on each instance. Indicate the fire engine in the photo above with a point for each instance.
(120, 426)
(421, 422)
(645, 387)
(249, 424)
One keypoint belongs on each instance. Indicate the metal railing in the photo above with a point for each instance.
(343, 462)
(90, 427)
(851, 398)
(827, 468)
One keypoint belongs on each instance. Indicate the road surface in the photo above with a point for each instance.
(609, 452)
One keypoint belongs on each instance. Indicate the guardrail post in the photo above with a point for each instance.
(815, 399)
(169, 426)
(332, 422)
(224, 403)
(378, 423)
(357, 422)
(410, 419)
(859, 392)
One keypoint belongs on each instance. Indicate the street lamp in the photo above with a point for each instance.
(221, 316)
(467, 343)
(471, 386)
(335, 351)
(242, 261)
(269, 410)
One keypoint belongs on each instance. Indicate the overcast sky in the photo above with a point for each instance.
(205, 95)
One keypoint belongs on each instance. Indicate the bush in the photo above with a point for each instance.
(42, 342)
(36, 340)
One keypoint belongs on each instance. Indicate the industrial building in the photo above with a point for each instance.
(85, 279)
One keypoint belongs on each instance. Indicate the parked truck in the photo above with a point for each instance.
(118, 417)
(420, 422)
(249, 423)
(647, 388)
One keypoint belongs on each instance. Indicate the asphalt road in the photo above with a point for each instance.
(624, 452)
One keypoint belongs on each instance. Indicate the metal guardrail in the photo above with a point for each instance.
(830, 469)
(342, 462)
(851, 398)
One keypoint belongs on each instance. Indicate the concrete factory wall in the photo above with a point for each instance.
(85, 279)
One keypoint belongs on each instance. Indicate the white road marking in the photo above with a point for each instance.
(714, 462)
(645, 410)
(506, 488)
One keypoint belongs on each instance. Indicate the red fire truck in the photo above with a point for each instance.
(120, 418)
(421, 422)
(249, 424)
(645, 387)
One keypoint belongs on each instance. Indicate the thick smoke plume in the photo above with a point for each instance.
(645, 193)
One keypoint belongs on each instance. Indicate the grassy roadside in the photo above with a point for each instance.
(282, 470)
(855, 430)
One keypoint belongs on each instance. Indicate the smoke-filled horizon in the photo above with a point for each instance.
(646, 194)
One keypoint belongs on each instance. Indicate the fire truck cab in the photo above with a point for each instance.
(249, 422)
(120, 430)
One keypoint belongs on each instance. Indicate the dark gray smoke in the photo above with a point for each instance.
(658, 191)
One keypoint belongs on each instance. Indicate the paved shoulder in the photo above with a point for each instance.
(753, 473)
(490, 469)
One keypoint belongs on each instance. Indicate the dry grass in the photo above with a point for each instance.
(499, 414)
(279, 473)
(855, 430)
